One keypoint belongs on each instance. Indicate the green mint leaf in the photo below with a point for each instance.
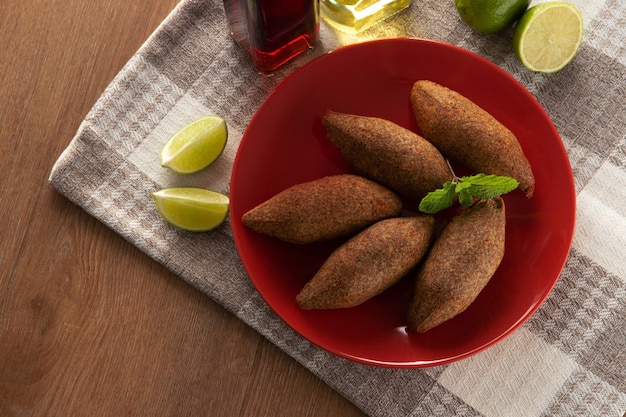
(438, 200)
(465, 197)
(467, 189)
(490, 186)
(462, 186)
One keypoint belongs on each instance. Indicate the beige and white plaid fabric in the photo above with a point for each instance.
(569, 359)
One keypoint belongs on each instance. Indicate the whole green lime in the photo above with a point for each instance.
(488, 16)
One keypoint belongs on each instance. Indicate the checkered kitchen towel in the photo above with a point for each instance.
(567, 360)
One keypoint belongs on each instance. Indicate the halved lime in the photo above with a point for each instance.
(548, 36)
(195, 146)
(192, 209)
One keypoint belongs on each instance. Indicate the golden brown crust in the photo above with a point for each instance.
(461, 262)
(464, 132)
(323, 209)
(388, 153)
(369, 263)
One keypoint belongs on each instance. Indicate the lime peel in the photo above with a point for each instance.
(548, 36)
(192, 209)
(489, 16)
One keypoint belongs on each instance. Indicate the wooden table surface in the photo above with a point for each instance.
(89, 325)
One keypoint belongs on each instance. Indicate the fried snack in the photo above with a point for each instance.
(369, 263)
(323, 209)
(461, 262)
(464, 132)
(387, 153)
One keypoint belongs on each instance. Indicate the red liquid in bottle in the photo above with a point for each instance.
(273, 31)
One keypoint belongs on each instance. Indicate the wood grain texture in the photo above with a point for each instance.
(89, 325)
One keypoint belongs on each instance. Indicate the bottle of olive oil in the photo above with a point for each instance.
(354, 16)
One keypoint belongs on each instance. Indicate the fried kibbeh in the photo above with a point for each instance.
(459, 265)
(369, 263)
(468, 134)
(388, 153)
(323, 209)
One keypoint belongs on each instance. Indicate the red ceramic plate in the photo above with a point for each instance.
(286, 144)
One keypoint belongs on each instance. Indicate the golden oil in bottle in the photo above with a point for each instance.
(354, 16)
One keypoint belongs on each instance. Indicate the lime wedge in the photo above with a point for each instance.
(195, 146)
(548, 36)
(192, 209)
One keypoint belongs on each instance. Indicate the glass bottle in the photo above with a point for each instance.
(273, 31)
(354, 16)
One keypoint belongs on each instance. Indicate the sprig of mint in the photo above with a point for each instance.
(466, 189)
